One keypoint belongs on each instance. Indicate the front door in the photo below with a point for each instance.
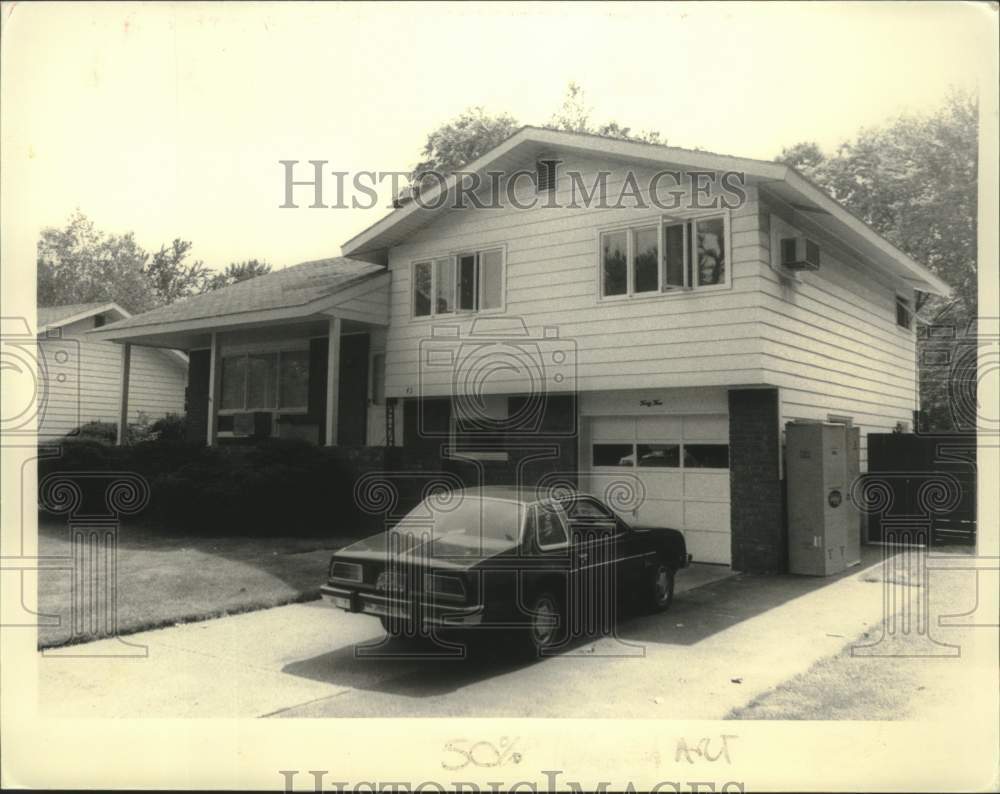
(352, 405)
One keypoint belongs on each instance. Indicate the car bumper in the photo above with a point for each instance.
(385, 606)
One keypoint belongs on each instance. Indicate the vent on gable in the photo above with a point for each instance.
(545, 175)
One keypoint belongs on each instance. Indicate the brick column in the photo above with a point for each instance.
(760, 537)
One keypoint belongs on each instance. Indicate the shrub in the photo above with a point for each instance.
(275, 486)
(103, 432)
(172, 428)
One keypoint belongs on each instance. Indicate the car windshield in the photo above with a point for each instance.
(473, 517)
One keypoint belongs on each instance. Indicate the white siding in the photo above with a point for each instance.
(693, 338)
(832, 345)
(367, 302)
(90, 389)
(829, 343)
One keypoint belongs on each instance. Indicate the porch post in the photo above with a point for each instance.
(214, 377)
(332, 381)
(122, 436)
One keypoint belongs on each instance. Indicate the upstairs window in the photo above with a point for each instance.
(664, 256)
(904, 317)
(466, 282)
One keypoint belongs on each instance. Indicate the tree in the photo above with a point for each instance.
(236, 272)
(804, 157)
(80, 264)
(455, 144)
(171, 278)
(574, 116)
(914, 180)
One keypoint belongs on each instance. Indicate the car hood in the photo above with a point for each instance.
(457, 550)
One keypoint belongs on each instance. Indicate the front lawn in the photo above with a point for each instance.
(165, 578)
(910, 683)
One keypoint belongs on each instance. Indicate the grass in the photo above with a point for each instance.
(166, 578)
(906, 685)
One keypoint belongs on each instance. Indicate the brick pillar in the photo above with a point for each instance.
(760, 538)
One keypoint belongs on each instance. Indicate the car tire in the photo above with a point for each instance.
(548, 627)
(660, 587)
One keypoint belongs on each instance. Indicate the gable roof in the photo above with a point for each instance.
(57, 316)
(293, 288)
(777, 181)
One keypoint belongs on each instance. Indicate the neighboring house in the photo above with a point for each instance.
(672, 345)
(86, 386)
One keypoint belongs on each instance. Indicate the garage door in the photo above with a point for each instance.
(681, 463)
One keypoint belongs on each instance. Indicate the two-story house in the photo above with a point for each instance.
(642, 318)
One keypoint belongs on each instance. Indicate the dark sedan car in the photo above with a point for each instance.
(495, 557)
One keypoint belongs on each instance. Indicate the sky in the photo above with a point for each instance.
(169, 119)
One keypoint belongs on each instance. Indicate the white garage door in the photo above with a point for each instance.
(681, 463)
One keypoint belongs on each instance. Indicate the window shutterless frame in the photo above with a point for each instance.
(690, 276)
(456, 258)
(276, 407)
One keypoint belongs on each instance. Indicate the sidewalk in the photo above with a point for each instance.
(720, 646)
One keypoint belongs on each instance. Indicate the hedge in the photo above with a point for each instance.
(277, 486)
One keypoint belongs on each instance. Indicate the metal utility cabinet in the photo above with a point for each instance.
(824, 528)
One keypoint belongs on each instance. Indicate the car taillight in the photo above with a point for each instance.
(346, 571)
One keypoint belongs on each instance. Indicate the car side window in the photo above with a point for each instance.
(587, 508)
(549, 526)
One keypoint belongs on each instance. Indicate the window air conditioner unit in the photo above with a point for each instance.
(254, 424)
(799, 253)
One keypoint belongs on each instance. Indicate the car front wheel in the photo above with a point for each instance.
(661, 587)
(548, 622)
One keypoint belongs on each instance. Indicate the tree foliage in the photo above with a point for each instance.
(458, 142)
(574, 116)
(171, 276)
(914, 180)
(236, 272)
(78, 263)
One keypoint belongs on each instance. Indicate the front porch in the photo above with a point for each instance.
(298, 354)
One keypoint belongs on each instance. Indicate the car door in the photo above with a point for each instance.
(598, 540)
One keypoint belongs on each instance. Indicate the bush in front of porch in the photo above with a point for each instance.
(273, 487)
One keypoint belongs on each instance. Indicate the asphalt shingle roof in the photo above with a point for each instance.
(53, 314)
(293, 286)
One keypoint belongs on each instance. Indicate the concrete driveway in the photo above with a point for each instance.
(726, 639)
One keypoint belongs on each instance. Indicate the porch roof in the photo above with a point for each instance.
(295, 294)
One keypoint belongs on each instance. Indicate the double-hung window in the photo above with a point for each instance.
(470, 281)
(265, 381)
(650, 258)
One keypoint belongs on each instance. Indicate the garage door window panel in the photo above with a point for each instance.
(613, 454)
(659, 456)
(706, 456)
